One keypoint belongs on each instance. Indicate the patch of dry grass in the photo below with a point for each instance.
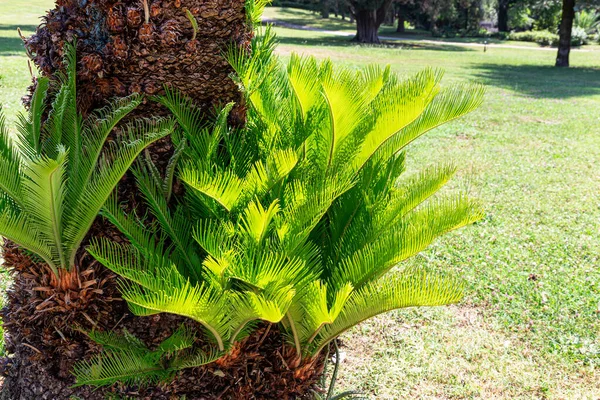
(455, 353)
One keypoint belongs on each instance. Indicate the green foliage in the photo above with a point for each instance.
(127, 360)
(543, 38)
(254, 10)
(589, 21)
(299, 217)
(579, 36)
(56, 175)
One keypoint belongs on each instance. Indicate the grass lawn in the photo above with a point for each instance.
(528, 328)
(312, 20)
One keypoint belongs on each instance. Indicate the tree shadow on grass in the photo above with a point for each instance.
(13, 45)
(346, 41)
(541, 81)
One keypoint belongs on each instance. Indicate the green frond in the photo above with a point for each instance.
(410, 288)
(10, 165)
(115, 342)
(200, 303)
(142, 237)
(174, 225)
(306, 89)
(16, 227)
(256, 221)
(152, 273)
(318, 311)
(195, 358)
(110, 170)
(223, 187)
(183, 338)
(44, 198)
(30, 126)
(449, 104)
(126, 367)
(255, 9)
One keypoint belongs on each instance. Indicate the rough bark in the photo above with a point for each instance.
(124, 47)
(368, 21)
(566, 26)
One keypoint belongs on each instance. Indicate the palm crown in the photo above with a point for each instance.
(56, 174)
(298, 217)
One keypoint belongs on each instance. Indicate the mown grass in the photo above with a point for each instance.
(528, 328)
(311, 20)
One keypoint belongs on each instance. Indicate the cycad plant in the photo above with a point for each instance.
(299, 218)
(57, 172)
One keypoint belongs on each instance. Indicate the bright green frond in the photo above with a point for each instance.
(44, 196)
(413, 287)
(448, 105)
(256, 221)
(224, 188)
(30, 126)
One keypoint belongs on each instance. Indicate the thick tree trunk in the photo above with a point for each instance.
(503, 16)
(401, 20)
(366, 26)
(369, 20)
(566, 26)
(124, 47)
(325, 9)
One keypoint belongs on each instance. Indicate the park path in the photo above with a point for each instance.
(285, 24)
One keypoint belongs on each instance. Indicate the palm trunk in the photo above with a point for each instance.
(566, 26)
(126, 47)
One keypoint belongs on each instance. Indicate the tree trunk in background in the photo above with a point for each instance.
(503, 15)
(119, 53)
(369, 20)
(366, 26)
(401, 20)
(325, 9)
(566, 26)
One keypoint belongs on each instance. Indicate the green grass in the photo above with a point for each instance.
(528, 328)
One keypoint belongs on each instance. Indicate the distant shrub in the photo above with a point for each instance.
(543, 38)
(588, 21)
(578, 36)
(500, 35)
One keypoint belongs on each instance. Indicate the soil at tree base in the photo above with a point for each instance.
(118, 54)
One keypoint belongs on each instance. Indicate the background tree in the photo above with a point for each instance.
(369, 15)
(566, 27)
